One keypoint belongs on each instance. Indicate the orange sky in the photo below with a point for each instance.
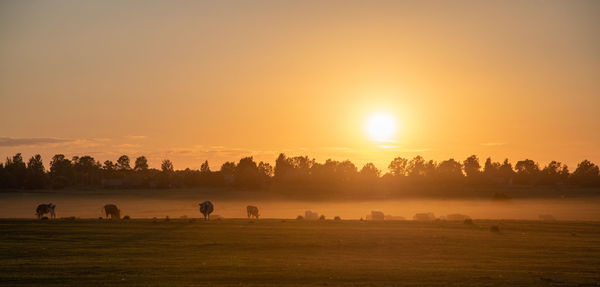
(196, 80)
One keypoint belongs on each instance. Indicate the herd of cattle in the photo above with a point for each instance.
(112, 211)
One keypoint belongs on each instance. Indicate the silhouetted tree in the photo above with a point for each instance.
(4, 177)
(204, 168)
(123, 163)
(472, 167)
(246, 174)
(141, 164)
(167, 166)
(109, 166)
(399, 166)
(86, 170)
(61, 171)
(586, 174)
(506, 172)
(36, 176)
(554, 173)
(450, 170)
(265, 169)
(369, 171)
(282, 167)
(16, 170)
(416, 166)
(527, 171)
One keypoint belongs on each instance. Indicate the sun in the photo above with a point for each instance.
(381, 127)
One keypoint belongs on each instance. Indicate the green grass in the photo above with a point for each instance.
(290, 252)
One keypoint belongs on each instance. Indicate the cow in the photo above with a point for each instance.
(206, 208)
(113, 211)
(45, 208)
(252, 211)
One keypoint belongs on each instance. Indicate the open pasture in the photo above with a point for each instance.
(184, 252)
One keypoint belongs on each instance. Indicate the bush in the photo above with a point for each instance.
(300, 217)
(126, 217)
(337, 218)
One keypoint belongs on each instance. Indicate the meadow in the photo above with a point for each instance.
(276, 252)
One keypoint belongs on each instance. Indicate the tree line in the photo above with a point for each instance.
(298, 171)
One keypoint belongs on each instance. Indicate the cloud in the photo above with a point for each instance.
(493, 144)
(127, 146)
(135, 137)
(10, 142)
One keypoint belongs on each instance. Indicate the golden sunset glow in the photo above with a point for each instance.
(381, 127)
(299, 142)
(241, 81)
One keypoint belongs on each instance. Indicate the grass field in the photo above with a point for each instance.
(86, 252)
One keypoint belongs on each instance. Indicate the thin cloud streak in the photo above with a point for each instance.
(10, 142)
(493, 144)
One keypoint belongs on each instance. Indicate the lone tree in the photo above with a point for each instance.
(141, 164)
(123, 163)
(204, 168)
(167, 166)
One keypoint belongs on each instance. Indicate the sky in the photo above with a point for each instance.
(219, 80)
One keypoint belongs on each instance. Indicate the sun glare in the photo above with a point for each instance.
(381, 127)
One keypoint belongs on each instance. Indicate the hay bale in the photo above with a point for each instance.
(495, 229)
(309, 215)
(337, 218)
(377, 215)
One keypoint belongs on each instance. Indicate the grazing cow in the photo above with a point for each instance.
(113, 211)
(252, 211)
(206, 208)
(45, 208)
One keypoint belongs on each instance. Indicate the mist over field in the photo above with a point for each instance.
(177, 203)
